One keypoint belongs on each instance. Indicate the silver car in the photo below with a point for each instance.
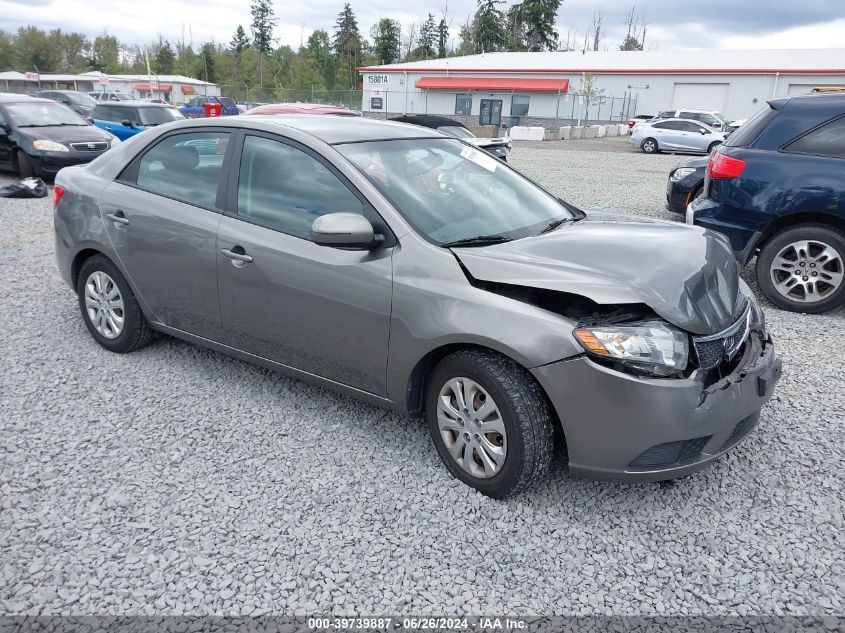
(418, 273)
(676, 135)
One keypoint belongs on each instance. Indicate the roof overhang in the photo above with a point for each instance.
(158, 88)
(510, 84)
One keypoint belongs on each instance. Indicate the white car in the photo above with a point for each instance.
(710, 118)
(677, 135)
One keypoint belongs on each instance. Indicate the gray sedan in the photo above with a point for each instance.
(676, 135)
(416, 272)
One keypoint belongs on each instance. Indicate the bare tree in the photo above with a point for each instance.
(635, 32)
(410, 39)
(597, 28)
(570, 43)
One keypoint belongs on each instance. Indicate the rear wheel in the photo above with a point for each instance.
(490, 422)
(649, 146)
(25, 167)
(802, 269)
(109, 309)
(713, 146)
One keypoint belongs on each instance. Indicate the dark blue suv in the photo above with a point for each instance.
(776, 188)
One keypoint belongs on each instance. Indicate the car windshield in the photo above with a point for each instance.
(158, 116)
(456, 130)
(42, 114)
(80, 98)
(451, 192)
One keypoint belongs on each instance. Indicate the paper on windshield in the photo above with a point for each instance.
(482, 159)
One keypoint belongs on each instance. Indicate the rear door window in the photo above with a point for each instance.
(827, 140)
(752, 128)
(184, 167)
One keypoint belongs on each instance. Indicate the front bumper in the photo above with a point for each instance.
(49, 163)
(628, 428)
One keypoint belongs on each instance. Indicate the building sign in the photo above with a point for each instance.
(376, 103)
(378, 80)
(31, 76)
(153, 85)
(103, 80)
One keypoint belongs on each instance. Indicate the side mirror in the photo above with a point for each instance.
(702, 131)
(126, 123)
(344, 230)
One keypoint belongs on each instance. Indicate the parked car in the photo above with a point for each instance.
(676, 135)
(302, 108)
(402, 267)
(125, 119)
(639, 118)
(39, 136)
(109, 96)
(79, 102)
(711, 118)
(685, 184)
(194, 107)
(777, 189)
(500, 147)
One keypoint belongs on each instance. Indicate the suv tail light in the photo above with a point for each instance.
(723, 166)
(58, 192)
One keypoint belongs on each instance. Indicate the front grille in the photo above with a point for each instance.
(669, 454)
(97, 146)
(712, 350)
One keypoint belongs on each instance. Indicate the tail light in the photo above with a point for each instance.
(58, 192)
(631, 123)
(723, 166)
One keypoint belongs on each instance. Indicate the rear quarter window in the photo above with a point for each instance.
(752, 128)
(826, 140)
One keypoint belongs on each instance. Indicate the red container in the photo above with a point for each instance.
(212, 109)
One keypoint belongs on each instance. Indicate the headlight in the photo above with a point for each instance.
(114, 142)
(680, 173)
(49, 146)
(655, 347)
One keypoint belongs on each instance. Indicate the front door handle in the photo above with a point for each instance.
(237, 255)
(118, 218)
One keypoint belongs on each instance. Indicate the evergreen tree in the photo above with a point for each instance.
(489, 35)
(164, 59)
(385, 34)
(208, 54)
(428, 35)
(318, 51)
(347, 46)
(531, 25)
(239, 43)
(442, 37)
(263, 23)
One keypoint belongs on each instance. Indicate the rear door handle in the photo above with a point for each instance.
(118, 218)
(237, 257)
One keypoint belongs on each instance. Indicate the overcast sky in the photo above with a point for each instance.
(708, 24)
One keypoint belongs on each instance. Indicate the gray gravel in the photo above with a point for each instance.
(177, 480)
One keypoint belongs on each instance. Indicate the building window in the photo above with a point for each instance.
(463, 104)
(519, 105)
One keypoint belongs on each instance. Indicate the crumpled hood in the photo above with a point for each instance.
(685, 274)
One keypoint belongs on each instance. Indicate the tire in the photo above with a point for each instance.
(783, 255)
(25, 167)
(649, 146)
(713, 146)
(526, 446)
(134, 331)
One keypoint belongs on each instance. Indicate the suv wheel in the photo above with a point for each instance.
(109, 309)
(489, 421)
(802, 269)
(649, 146)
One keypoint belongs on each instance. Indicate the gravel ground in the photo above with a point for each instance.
(177, 480)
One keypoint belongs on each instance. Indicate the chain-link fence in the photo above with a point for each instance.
(253, 94)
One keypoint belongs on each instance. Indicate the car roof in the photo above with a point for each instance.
(135, 104)
(299, 108)
(10, 97)
(329, 128)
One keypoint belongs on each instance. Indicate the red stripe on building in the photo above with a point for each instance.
(617, 71)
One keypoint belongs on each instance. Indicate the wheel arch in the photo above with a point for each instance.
(79, 259)
(794, 220)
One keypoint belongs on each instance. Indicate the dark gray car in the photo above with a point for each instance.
(416, 272)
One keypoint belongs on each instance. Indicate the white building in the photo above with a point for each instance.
(174, 88)
(547, 87)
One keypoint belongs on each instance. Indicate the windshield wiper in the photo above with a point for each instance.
(478, 240)
(556, 223)
(55, 125)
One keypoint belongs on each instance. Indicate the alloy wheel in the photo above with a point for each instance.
(472, 427)
(807, 271)
(649, 146)
(104, 305)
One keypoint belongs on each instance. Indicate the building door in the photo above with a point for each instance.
(490, 112)
(700, 96)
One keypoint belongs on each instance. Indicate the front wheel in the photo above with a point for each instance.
(802, 269)
(25, 167)
(649, 146)
(490, 422)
